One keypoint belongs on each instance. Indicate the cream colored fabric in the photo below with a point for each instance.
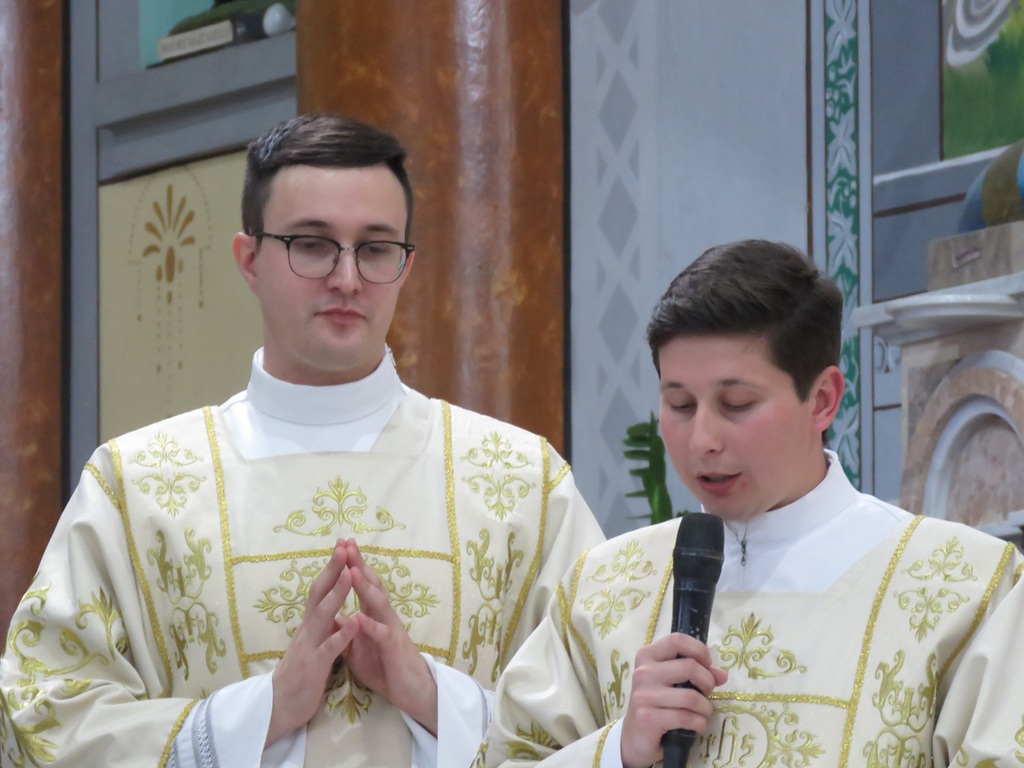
(907, 659)
(469, 522)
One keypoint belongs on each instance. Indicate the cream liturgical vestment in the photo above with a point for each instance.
(181, 567)
(909, 657)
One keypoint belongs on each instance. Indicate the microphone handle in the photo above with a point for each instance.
(691, 615)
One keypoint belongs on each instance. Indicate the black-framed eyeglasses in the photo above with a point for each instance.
(315, 256)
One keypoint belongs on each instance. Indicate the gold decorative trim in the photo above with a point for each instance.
(423, 554)
(175, 730)
(600, 743)
(559, 476)
(453, 531)
(858, 682)
(786, 698)
(262, 656)
(531, 574)
(658, 601)
(289, 555)
(980, 613)
(140, 574)
(105, 487)
(225, 540)
(565, 609)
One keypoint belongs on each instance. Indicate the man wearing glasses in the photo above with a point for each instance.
(330, 569)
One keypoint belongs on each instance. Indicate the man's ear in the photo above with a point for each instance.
(825, 395)
(244, 247)
(408, 268)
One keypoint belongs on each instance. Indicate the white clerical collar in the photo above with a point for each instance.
(320, 406)
(826, 500)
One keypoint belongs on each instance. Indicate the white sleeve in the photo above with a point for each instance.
(463, 714)
(230, 728)
(611, 751)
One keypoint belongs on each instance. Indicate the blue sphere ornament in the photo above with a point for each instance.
(996, 196)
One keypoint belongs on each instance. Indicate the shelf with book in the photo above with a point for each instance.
(140, 113)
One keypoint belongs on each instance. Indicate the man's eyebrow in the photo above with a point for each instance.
(722, 383)
(311, 223)
(385, 228)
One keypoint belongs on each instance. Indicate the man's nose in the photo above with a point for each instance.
(706, 436)
(345, 275)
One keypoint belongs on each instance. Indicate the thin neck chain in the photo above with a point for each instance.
(742, 542)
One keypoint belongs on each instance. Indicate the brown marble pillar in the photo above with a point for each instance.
(473, 88)
(31, 295)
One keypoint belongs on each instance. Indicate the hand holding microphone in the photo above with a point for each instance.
(696, 565)
(657, 713)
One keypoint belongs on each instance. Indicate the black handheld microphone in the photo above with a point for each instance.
(696, 566)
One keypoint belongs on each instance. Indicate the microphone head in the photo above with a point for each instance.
(700, 541)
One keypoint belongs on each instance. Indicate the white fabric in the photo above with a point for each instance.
(807, 545)
(794, 549)
(466, 709)
(276, 418)
(901, 659)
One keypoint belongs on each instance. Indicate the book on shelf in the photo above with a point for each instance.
(238, 29)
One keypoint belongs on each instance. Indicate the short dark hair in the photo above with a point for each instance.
(756, 288)
(326, 140)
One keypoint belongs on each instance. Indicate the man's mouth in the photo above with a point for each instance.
(715, 477)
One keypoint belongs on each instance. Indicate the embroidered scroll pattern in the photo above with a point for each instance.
(907, 712)
(777, 740)
(169, 483)
(284, 604)
(192, 622)
(494, 580)
(27, 742)
(751, 643)
(348, 696)
(609, 604)
(499, 486)
(525, 750)
(337, 506)
(614, 697)
(409, 598)
(927, 604)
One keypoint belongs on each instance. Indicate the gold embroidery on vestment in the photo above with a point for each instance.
(499, 488)
(141, 577)
(494, 580)
(192, 622)
(169, 484)
(531, 573)
(756, 642)
(907, 713)
(225, 541)
(283, 604)
(779, 742)
(338, 506)
(453, 531)
(531, 738)
(614, 697)
(869, 633)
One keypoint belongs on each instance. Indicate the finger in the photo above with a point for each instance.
(721, 676)
(320, 622)
(355, 559)
(328, 575)
(373, 598)
(338, 642)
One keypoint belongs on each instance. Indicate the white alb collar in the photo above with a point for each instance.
(322, 406)
(826, 500)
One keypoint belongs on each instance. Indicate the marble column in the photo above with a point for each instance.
(473, 89)
(31, 288)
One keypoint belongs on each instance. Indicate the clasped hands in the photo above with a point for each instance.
(372, 642)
